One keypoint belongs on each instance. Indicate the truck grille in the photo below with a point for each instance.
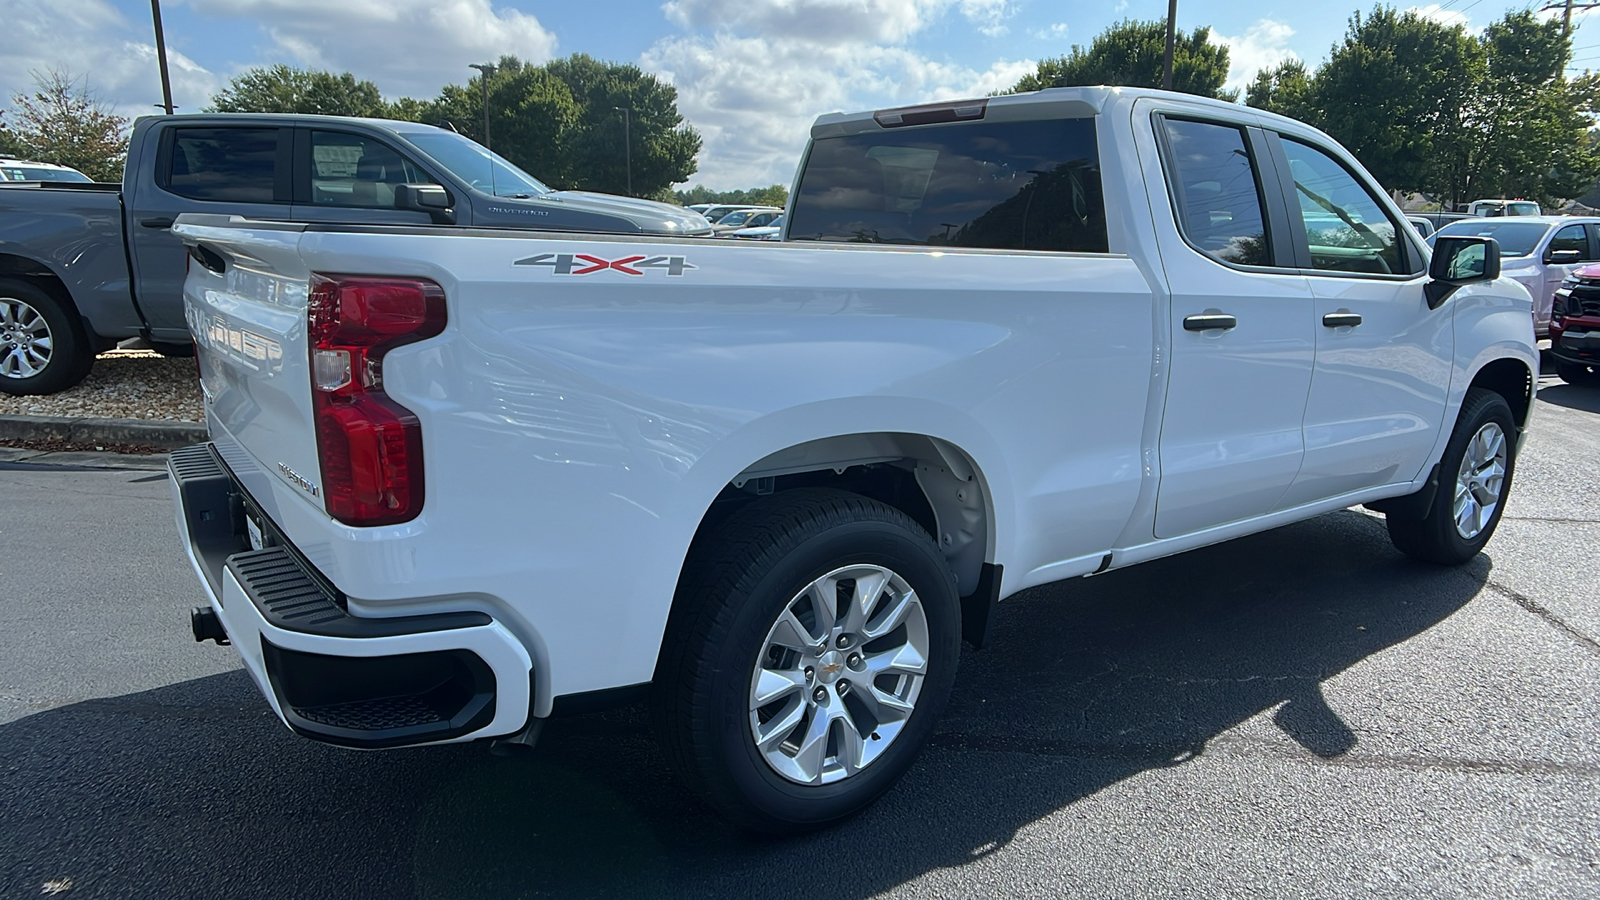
(1585, 299)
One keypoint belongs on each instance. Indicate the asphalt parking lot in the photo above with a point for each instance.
(1300, 713)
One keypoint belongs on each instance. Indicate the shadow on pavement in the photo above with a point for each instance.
(195, 790)
(1584, 398)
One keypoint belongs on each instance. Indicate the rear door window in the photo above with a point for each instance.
(1216, 191)
(356, 170)
(239, 165)
(997, 185)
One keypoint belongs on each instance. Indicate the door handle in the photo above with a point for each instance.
(1341, 319)
(1208, 321)
(159, 222)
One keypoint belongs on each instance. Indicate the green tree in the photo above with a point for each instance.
(1530, 125)
(9, 144)
(1285, 90)
(62, 122)
(532, 117)
(285, 89)
(1395, 94)
(1134, 53)
(663, 148)
(1436, 109)
(774, 195)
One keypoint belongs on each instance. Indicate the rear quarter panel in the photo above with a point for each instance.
(77, 234)
(576, 428)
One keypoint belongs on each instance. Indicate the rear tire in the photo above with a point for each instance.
(1577, 375)
(1474, 484)
(42, 345)
(788, 711)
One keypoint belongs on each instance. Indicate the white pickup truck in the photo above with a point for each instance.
(461, 480)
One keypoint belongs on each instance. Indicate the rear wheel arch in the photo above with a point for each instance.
(42, 277)
(935, 482)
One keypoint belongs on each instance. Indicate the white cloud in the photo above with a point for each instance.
(988, 15)
(816, 21)
(753, 99)
(91, 39)
(410, 47)
(1445, 17)
(1055, 32)
(1262, 46)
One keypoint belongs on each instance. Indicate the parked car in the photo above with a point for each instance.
(745, 218)
(90, 265)
(1490, 208)
(1575, 328)
(1425, 227)
(462, 480)
(714, 214)
(24, 170)
(1437, 219)
(1538, 251)
(772, 231)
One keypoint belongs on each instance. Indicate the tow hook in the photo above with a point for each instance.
(206, 626)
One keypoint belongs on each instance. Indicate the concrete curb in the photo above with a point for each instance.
(170, 435)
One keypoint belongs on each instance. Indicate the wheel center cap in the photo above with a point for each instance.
(829, 666)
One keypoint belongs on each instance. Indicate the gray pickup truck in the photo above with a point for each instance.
(83, 266)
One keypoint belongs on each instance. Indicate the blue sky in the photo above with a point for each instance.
(751, 74)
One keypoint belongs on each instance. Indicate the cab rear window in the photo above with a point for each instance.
(998, 185)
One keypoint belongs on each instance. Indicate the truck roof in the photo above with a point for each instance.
(393, 125)
(1069, 102)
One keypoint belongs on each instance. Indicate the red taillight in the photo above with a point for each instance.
(370, 446)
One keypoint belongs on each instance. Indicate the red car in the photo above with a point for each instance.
(1575, 327)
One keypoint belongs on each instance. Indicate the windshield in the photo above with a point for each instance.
(467, 160)
(30, 173)
(1515, 238)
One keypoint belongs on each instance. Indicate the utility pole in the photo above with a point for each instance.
(1172, 19)
(627, 141)
(1566, 7)
(161, 56)
(483, 80)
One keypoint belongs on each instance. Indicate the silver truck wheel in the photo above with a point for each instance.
(42, 344)
(812, 645)
(25, 340)
(1474, 482)
(1480, 479)
(839, 674)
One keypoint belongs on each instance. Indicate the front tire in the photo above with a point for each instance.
(1474, 484)
(813, 646)
(42, 346)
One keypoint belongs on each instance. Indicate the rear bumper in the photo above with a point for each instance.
(354, 681)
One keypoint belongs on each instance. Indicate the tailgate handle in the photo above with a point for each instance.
(208, 258)
(159, 222)
(1342, 319)
(1208, 321)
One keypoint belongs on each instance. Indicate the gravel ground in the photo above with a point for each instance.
(125, 384)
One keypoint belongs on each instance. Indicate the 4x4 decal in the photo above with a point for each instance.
(584, 264)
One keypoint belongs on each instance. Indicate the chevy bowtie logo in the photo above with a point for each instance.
(584, 264)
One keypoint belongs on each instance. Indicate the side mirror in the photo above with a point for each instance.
(1459, 260)
(432, 199)
(1563, 257)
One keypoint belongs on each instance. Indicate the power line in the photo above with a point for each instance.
(1566, 7)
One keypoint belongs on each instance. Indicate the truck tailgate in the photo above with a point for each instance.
(249, 324)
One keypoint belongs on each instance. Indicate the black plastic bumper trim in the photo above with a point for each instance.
(599, 701)
(290, 593)
(370, 702)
